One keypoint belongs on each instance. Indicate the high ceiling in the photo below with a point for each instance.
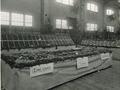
(114, 3)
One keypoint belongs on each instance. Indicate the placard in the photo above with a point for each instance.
(41, 69)
(82, 62)
(105, 56)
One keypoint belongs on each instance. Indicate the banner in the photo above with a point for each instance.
(41, 69)
(82, 62)
(105, 56)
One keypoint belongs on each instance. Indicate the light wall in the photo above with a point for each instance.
(107, 21)
(95, 17)
(55, 10)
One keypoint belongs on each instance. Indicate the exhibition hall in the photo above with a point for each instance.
(60, 44)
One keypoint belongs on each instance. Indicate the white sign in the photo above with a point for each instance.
(82, 62)
(105, 56)
(41, 69)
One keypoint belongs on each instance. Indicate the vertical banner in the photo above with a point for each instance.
(82, 62)
(105, 56)
(41, 69)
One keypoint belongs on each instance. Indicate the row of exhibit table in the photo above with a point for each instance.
(43, 69)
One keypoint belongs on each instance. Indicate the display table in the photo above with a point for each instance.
(64, 71)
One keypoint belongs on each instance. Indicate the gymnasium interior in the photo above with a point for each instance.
(60, 44)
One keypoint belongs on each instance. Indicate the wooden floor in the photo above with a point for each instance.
(108, 79)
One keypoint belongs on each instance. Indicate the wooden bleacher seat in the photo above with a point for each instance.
(11, 44)
(24, 39)
(5, 45)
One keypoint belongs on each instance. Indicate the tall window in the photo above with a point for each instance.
(110, 28)
(62, 24)
(17, 19)
(4, 17)
(92, 7)
(28, 20)
(58, 23)
(67, 2)
(92, 27)
(109, 12)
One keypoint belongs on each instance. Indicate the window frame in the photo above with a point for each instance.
(92, 7)
(17, 19)
(109, 12)
(63, 24)
(68, 2)
(110, 28)
(5, 17)
(58, 23)
(91, 27)
(28, 20)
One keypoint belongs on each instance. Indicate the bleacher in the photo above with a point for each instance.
(101, 43)
(22, 40)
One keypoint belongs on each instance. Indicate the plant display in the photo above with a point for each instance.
(28, 59)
